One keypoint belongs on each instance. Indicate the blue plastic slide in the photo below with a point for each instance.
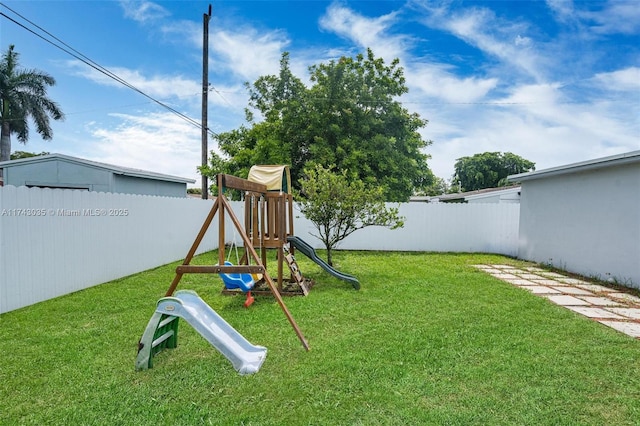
(309, 251)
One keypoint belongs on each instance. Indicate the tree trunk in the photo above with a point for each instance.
(5, 142)
(329, 258)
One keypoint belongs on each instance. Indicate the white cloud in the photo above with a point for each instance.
(143, 11)
(611, 17)
(617, 17)
(248, 53)
(428, 78)
(597, 120)
(161, 86)
(365, 32)
(534, 95)
(498, 37)
(473, 27)
(183, 31)
(540, 120)
(160, 142)
(562, 9)
(432, 80)
(573, 135)
(522, 41)
(627, 79)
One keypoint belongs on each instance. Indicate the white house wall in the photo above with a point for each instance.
(586, 222)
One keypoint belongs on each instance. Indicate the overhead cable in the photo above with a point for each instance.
(83, 58)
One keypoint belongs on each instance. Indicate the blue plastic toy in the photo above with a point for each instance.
(243, 282)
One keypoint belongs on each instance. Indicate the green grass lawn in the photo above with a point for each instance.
(428, 339)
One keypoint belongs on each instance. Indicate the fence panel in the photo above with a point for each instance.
(488, 228)
(54, 242)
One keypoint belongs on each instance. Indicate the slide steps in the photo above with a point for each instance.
(162, 333)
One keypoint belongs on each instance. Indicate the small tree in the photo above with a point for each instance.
(338, 207)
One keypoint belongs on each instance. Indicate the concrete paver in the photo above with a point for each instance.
(531, 277)
(519, 282)
(628, 328)
(594, 312)
(626, 297)
(552, 275)
(540, 289)
(633, 313)
(571, 281)
(548, 282)
(595, 288)
(574, 290)
(600, 301)
(610, 307)
(505, 277)
(566, 300)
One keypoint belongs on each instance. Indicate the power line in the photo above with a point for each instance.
(212, 88)
(83, 58)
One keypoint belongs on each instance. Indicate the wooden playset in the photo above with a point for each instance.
(268, 223)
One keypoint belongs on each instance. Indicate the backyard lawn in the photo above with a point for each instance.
(429, 339)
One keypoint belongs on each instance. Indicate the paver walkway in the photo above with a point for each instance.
(611, 307)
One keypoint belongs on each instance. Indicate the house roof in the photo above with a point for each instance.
(119, 170)
(482, 193)
(475, 194)
(598, 163)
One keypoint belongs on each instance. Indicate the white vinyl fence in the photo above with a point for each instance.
(442, 227)
(54, 242)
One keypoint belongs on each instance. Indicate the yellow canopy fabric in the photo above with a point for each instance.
(276, 178)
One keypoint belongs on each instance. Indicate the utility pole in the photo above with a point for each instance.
(205, 98)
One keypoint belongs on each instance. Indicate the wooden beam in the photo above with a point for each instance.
(194, 246)
(252, 252)
(219, 269)
(221, 230)
(234, 182)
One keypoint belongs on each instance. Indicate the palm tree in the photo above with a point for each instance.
(23, 95)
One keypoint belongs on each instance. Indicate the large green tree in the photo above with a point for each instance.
(23, 96)
(349, 117)
(488, 170)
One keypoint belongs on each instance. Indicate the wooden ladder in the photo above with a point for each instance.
(295, 270)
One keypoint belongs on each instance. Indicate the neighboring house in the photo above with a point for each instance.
(63, 171)
(509, 194)
(584, 217)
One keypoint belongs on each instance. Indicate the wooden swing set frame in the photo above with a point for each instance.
(267, 239)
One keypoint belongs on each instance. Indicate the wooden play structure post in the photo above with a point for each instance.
(269, 223)
(277, 213)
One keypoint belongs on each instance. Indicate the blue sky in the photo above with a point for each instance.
(553, 81)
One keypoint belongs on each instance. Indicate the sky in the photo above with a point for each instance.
(555, 82)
